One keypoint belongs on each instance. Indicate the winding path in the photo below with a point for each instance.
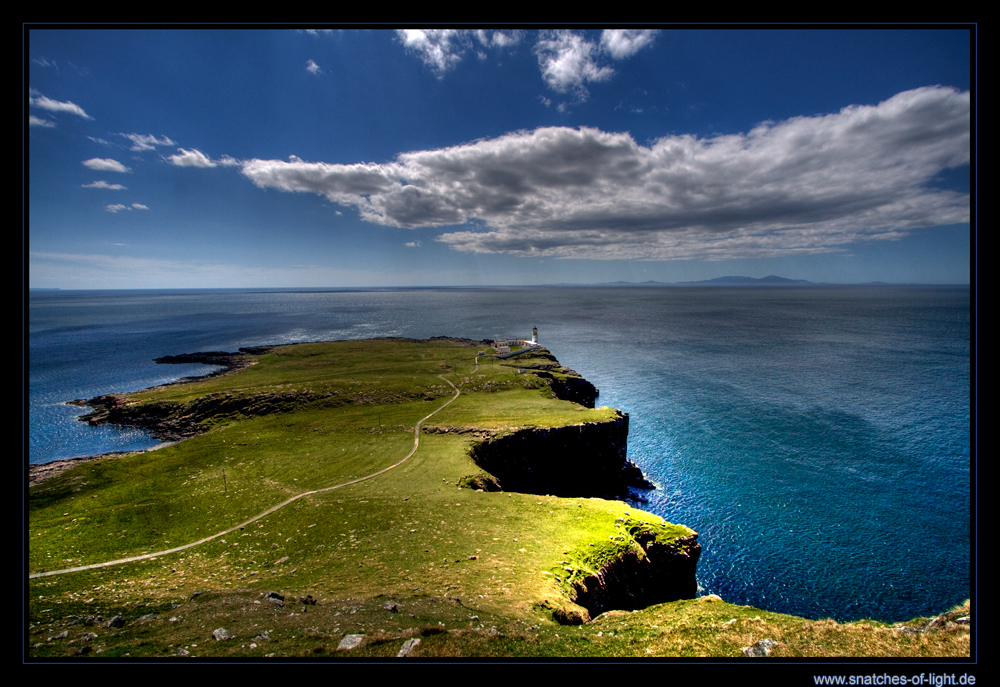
(416, 444)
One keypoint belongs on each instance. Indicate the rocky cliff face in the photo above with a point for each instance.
(566, 384)
(649, 573)
(575, 389)
(578, 460)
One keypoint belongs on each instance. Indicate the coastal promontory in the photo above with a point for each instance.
(383, 498)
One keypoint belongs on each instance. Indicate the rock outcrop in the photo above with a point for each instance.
(575, 460)
(176, 421)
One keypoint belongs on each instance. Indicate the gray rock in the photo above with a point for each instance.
(117, 621)
(760, 649)
(408, 646)
(350, 642)
(221, 634)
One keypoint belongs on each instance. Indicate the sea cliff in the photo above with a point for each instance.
(576, 460)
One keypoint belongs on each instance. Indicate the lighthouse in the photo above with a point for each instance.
(534, 336)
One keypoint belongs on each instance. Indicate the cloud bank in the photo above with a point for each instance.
(805, 185)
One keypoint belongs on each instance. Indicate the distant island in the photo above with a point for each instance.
(771, 280)
(385, 498)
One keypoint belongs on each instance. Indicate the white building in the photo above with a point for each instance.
(504, 345)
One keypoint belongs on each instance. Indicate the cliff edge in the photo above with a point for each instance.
(588, 459)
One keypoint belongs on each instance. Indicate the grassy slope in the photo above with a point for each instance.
(407, 554)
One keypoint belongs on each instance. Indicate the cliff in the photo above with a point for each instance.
(652, 571)
(566, 384)
(572, 388)
(575, 460)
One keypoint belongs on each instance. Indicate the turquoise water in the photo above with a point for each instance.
(818, 438)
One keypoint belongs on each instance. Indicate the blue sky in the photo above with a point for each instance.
(200, 158)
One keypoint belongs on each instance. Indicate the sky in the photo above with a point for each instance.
(286, 157)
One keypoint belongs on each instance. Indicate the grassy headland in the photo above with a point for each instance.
(408, 554)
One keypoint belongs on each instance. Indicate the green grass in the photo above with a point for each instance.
(472, 573)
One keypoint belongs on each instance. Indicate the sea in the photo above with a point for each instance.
(817, 438)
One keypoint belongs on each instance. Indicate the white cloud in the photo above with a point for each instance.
(805, 185)
(440, 49)
(498, 39)
(38, 121)
(118, 207)
(313, 68)
(622, 43)
(412, 244)
(36, 99)
(105, 165)
(105, 185)
(191, 158)
(569, 61)
(142, 142)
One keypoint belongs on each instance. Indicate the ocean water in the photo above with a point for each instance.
(817, 438)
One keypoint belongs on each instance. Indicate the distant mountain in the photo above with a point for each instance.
(770, 280)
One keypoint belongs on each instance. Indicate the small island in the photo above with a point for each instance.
(384, 498)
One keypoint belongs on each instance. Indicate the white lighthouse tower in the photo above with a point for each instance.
(534, 336)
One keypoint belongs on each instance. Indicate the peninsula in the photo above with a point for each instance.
(383, 498)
